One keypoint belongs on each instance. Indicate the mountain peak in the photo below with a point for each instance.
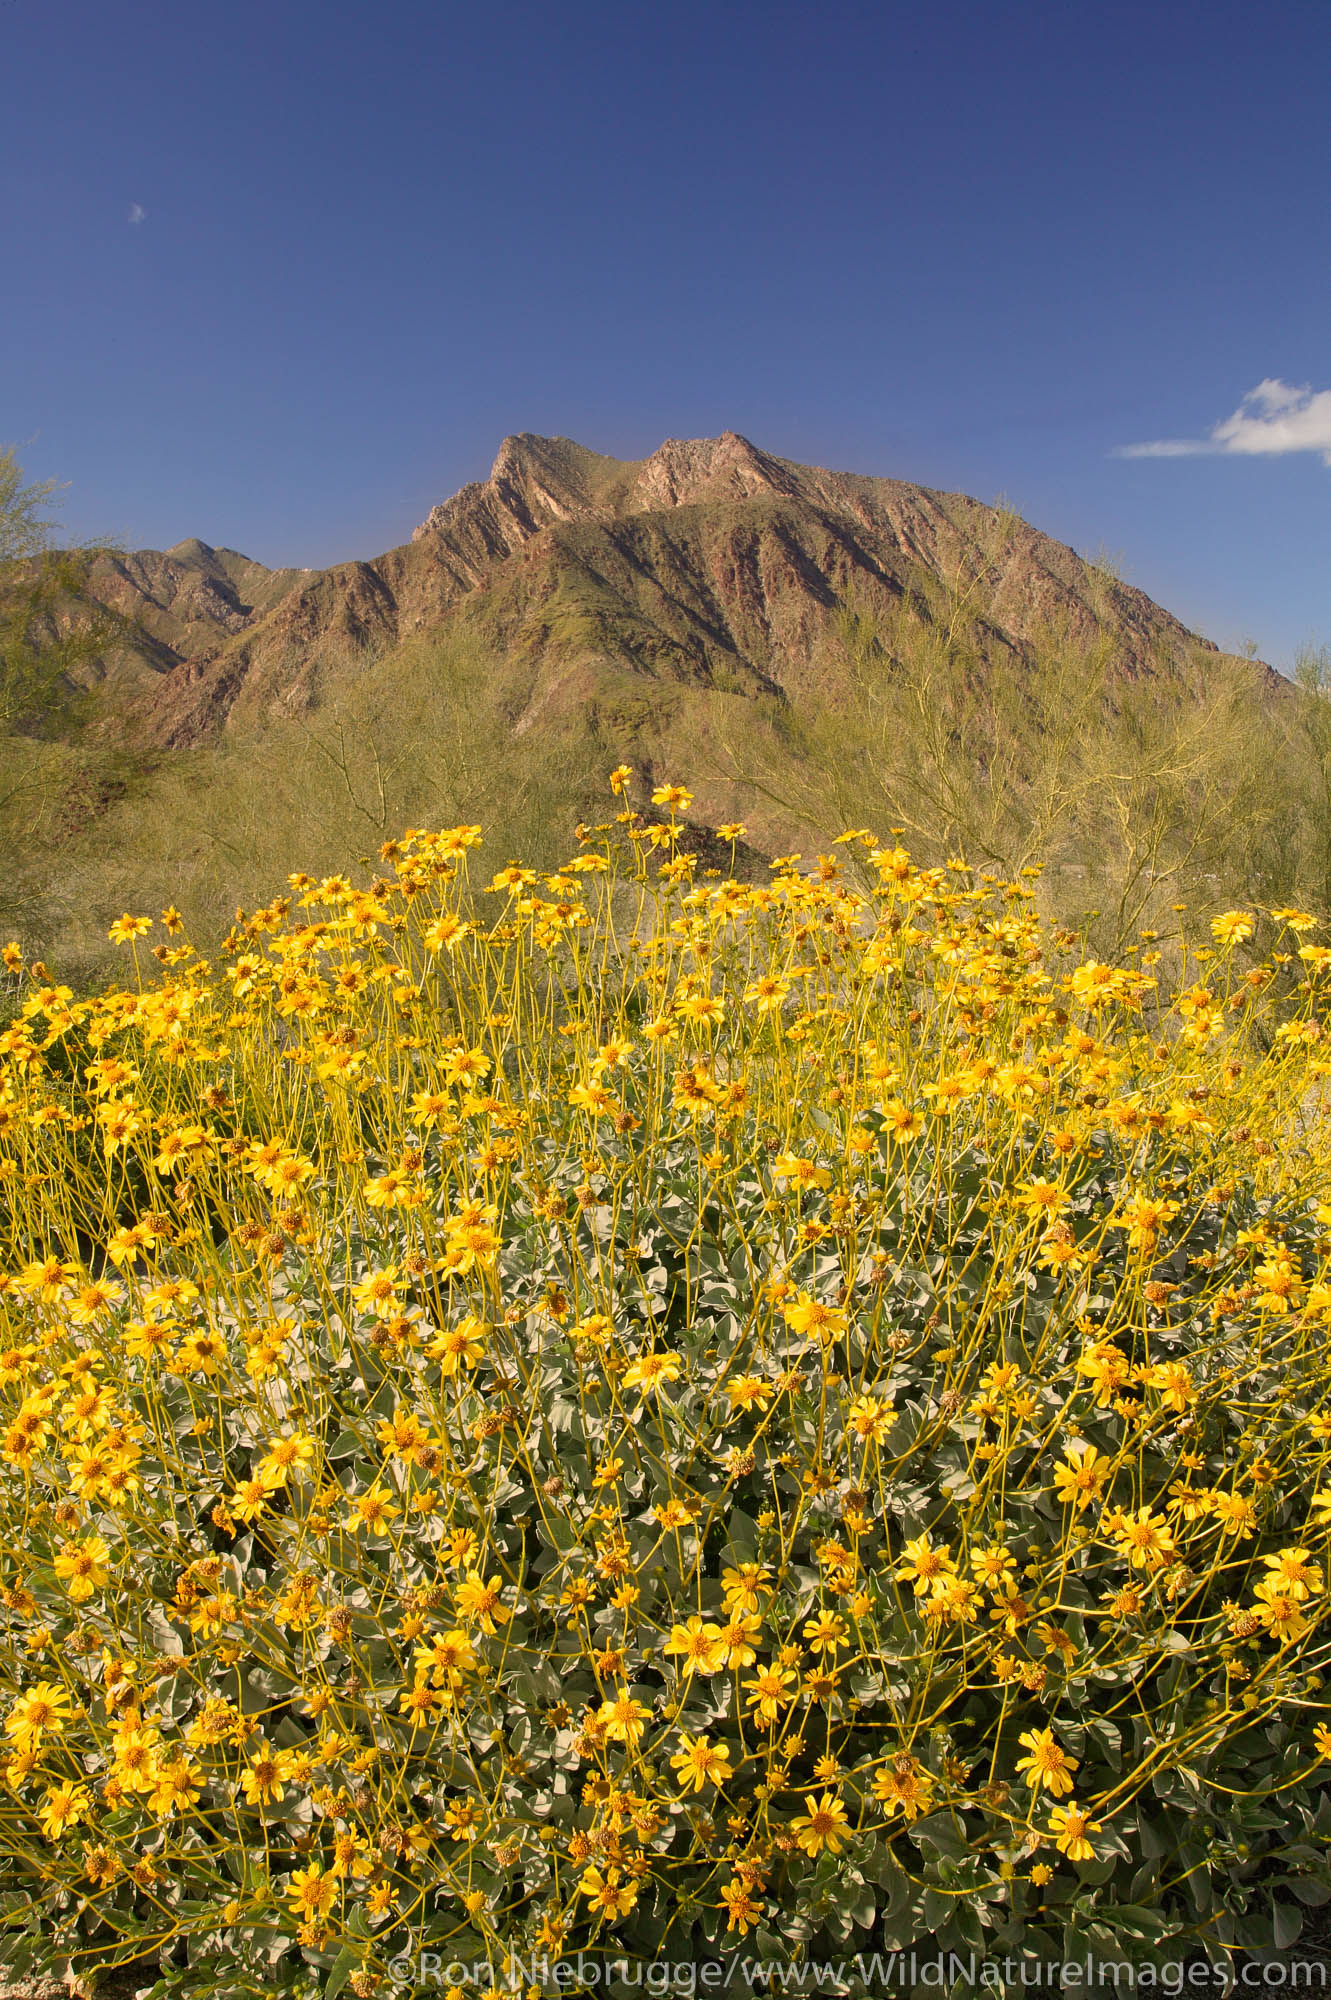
(536, 480)
(684, 471)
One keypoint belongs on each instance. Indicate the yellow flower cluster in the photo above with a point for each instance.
(624, 1398)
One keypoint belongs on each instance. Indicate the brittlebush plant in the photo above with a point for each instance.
(623, 1410)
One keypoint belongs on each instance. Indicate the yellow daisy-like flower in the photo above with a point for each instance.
(623, 1719)
(286, 1457)
(82, 1567)
(176, 1788)
(607, 1893)
(460, 1346)
(699, 1762)
(64, 1807)
(377, 1293)
(744, 1588)
(312, 1893)
(1081, 1476)
(1144, 1538)
(924, 1565)
(743, 1908)
(479, 1602)
(698, 1645)
(871, 1418)
(40, 1712)
(651, 1372)
(1294, 1574)
(267, 1774)
(1069, 1828)
(904, 1787)
(810, 1316)
(826, 1633)
(1233, 927)
(768, 1690)
(1048, 1766)
(375, 1511)
(823, 1824)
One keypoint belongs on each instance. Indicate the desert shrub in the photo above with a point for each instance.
(669, 1416)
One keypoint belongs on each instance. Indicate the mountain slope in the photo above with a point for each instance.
(184, 603)
(710, 563)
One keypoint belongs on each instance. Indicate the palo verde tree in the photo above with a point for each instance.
(49, 624)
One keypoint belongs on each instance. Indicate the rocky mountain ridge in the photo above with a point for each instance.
(711, 562)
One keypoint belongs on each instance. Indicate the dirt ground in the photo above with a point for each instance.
(117, 1986)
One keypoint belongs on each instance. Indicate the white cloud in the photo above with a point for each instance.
(1274, 418)
(136, 213)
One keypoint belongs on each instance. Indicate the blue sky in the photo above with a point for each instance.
(283, 275)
